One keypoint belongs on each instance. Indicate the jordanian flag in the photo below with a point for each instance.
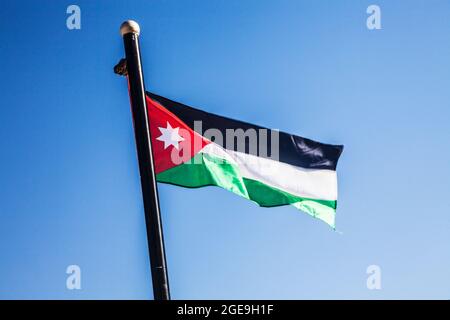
(193, 148)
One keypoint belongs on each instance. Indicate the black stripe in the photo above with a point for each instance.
(293, 149)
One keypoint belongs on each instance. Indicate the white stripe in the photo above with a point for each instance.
(309, 183)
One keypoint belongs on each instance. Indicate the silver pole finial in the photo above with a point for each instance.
(129, 26)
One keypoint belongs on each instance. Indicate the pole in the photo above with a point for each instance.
(130, 33)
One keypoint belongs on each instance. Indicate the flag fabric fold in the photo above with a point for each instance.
(193, 148)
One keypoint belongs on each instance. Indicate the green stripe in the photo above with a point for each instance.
(207, 170)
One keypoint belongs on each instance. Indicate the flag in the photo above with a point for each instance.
(193, 148)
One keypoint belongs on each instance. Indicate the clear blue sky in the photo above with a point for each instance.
(69, 183)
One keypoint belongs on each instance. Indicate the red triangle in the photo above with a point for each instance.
(168, 156)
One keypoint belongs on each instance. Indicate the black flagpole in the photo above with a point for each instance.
(130, 33)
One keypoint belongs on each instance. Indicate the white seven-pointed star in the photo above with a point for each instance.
(169, 136)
